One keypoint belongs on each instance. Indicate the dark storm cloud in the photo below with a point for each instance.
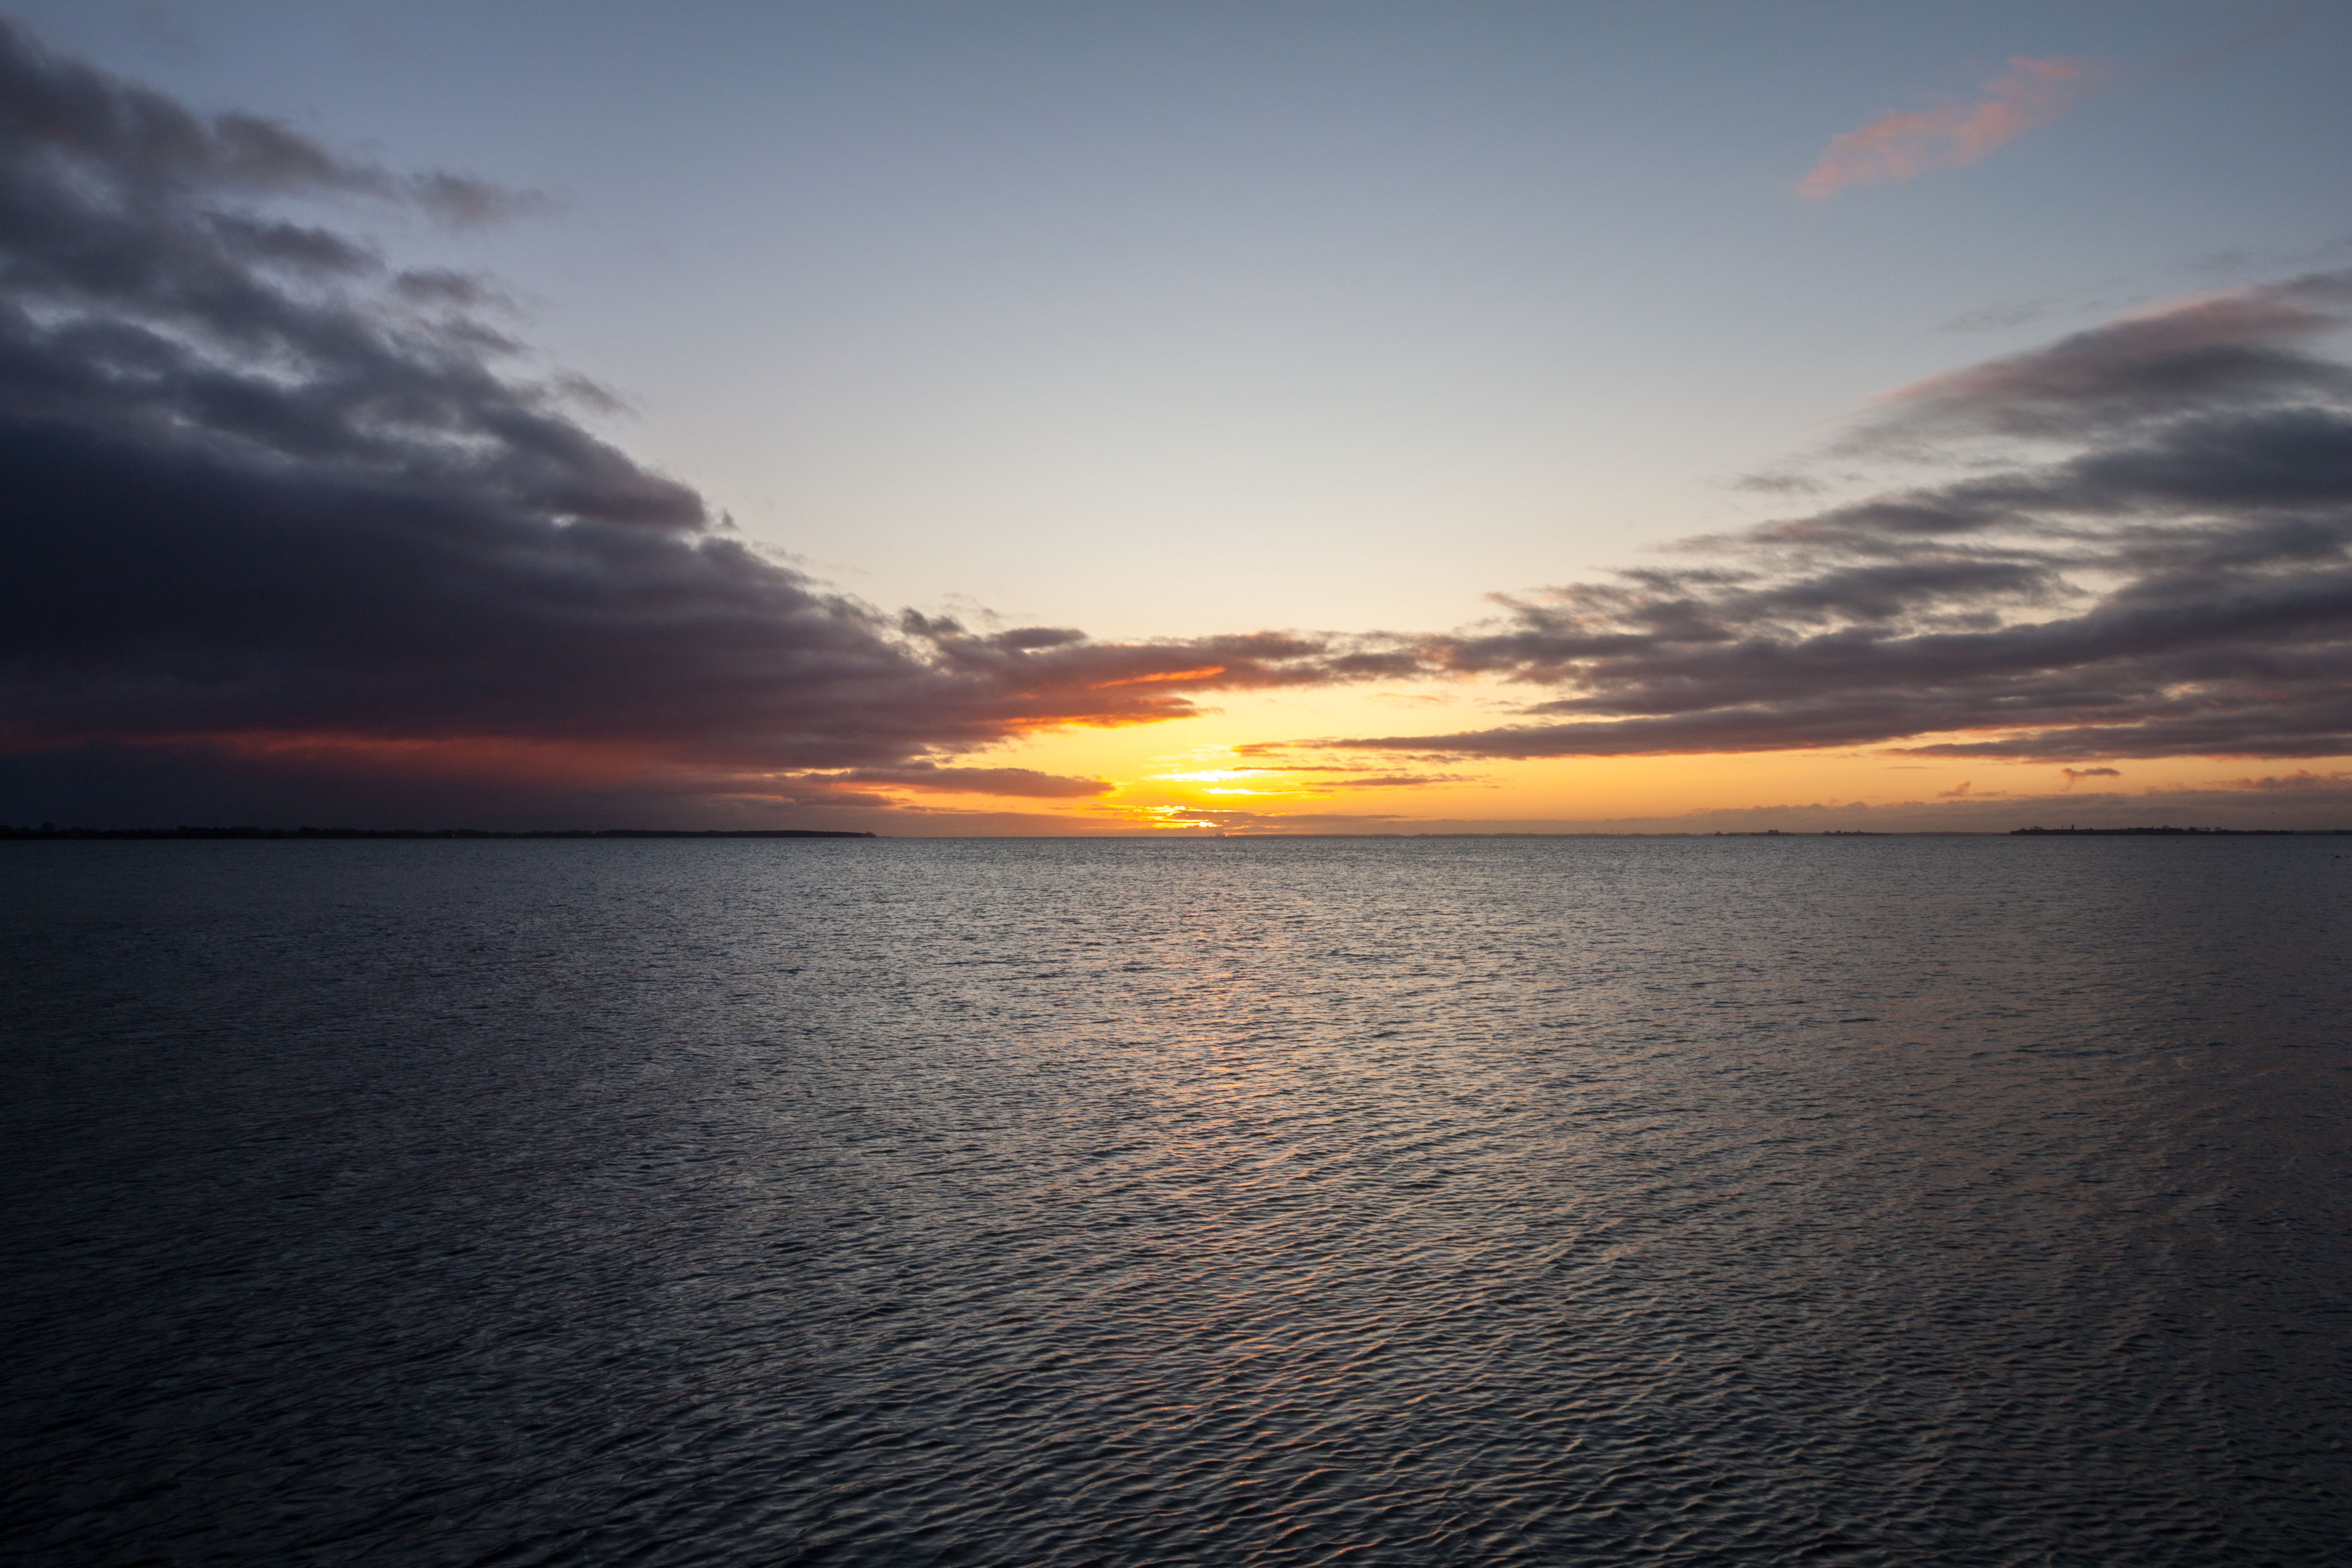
(276, 508)
(2169, 573)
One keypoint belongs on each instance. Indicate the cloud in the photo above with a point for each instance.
(2204, 355)
(2074, 775)
(2164, 570)
(1021, 782)
(148, 148)
(1896, 147)
(1403, 780)
(1996, 318)
(2300, 781)
(1264, 765)
(282, 526)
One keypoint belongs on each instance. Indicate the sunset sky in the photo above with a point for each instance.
(1052, 418)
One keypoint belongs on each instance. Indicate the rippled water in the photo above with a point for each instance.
(1901, 1200)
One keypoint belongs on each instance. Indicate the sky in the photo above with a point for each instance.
(1069, 418)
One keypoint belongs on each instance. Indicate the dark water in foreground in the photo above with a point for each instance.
(1867, 1201)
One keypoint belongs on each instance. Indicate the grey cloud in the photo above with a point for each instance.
(2180, 583)
(2300, 781)
(1994, 317)
(461, 202)
(442, 286)
(1026, 783)
(268, 524)
(153, 148)
(297, 248)
(2240, 348)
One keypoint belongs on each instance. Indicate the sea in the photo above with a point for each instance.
(1843, 1199)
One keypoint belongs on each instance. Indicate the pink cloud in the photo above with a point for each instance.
(1896, 147)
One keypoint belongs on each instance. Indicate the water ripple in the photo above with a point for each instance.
(1258, 1202)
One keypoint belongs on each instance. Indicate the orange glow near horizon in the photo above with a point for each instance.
(1201, 773)
(1168, 772)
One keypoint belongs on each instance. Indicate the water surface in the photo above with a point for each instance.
(1896, 1200)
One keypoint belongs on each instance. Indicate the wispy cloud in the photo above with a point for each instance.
(1896, 147)
(2300, 781)
(1011, 783)
(1405, 781)
(2167, 571)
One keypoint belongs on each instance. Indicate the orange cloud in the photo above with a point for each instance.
(1898, 147)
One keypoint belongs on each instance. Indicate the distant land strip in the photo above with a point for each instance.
(49, 830)
(2239, 832)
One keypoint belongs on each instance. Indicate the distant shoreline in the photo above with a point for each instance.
(275, 833)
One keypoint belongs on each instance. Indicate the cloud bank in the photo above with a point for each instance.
(280, 512)
(1898, 147)
(2135, 545)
